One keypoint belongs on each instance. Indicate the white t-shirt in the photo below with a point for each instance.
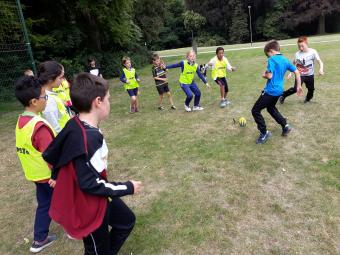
(94, 72)
(213, 61)
(305, 61)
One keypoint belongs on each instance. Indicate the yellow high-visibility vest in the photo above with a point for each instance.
(130, 76)
(188, 74)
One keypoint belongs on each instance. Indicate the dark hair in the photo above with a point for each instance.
(90, 59)
(85, 88)
(218, 49)
(271, 45)
(48, 71)
(26, 89)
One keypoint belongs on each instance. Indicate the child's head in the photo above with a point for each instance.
(271, 48)
(191, 56)
(126, 61)
(302, 43)
(30, 93)
(90, 93)
(91, 62)
(219, 52)
(50, 73)
(156, 60)
(28, 72)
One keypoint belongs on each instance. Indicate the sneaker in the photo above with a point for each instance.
(223, 104)
(187, 108)
(305, 101)
(281, 99)
(161, 108)
(197, 108)
(173, 107)
(227, 102)
(136, 109)
(263, 137)
(286, 130)
(39, 246)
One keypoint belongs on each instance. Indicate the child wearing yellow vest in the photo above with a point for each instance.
(63, 92)
(50, 75)
(187, 83)
(130, 79)
(220, 65)
(33, 135)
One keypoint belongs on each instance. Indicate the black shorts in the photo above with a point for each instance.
(132, 92)
(164, 88)
(222, 82)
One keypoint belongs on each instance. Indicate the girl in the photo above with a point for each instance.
(186, 80)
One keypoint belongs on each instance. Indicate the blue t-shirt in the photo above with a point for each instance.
(278, 66)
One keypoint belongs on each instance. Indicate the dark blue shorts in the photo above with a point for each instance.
(132, 92)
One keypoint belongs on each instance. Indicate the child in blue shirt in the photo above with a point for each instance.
(276, 69)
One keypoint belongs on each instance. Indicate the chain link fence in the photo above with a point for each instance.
(15, 50)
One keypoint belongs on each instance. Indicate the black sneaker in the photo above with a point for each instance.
(173, 107)
(161, 108)
(263, 137)
(39, 246)
(281, 99)
(286, 130)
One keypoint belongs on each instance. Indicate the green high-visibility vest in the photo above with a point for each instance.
(188, 74)
(32, 162)
(64, 116)
(220, 69)
(130, 76)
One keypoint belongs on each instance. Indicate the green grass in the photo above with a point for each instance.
(208, 188)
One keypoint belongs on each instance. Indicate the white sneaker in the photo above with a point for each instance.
(227, 102)
(197, 108)
(187, 108)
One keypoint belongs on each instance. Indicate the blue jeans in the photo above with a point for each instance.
(42, 219)
(189, 90)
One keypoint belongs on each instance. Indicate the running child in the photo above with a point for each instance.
(187, 83)
(220, 65)
(79, 157)
(33, 134)
(304, 61)
(159, 74)
(276, 68)
(130, 79)
(50, 75)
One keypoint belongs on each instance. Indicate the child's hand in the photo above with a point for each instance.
(208, 86)
(138, 80)
(233, 68)
(137, 186)
(321, 72)
(264, 74)
(299, 91)
(289, 76)
(52, 183)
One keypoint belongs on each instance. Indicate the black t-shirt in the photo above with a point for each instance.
(160, 73)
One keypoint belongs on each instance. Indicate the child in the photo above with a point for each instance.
(130, 79)
(51, 74)
(93, 68)
(63, 92)
(186, 79)
(276, 69)
(220, 65)
(79, 157)
(33, 134)
(304, 61)
(159, 74)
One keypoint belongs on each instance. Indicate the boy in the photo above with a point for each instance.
(159, 74)
(220, 65)
(33, 134)
(276, 69)
(79, 158)
(304, 61)
(130, 80)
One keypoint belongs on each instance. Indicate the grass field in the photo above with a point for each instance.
(208, 188)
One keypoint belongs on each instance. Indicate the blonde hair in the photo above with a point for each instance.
(189, 52)
(125, 59)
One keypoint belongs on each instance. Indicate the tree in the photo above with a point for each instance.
(239, 22)
(193, 21)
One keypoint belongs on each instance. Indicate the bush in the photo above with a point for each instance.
(207, 39)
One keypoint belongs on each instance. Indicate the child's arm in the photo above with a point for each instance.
(230, 67)
(180, 64)
(317, 57)
(201, 76)
(136, 77)
(123, 78)
(299, 91)
(267, 75)
(91, 183)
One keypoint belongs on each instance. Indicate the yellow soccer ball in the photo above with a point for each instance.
(242, 122)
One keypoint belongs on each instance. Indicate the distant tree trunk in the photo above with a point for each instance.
(94, 35)
(322, 25)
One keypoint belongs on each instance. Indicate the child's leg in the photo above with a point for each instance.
(98, 242)
(309, 81)
(122, 221)
(197, 93)
(136, 99)
(170, 98)
(160, 100)
(187, 91)
(226, 89)
(42, 219)
(132, 103)
(222, 89)
(273, 111)
(262, 102)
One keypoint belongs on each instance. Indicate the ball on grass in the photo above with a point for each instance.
(242, 122)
